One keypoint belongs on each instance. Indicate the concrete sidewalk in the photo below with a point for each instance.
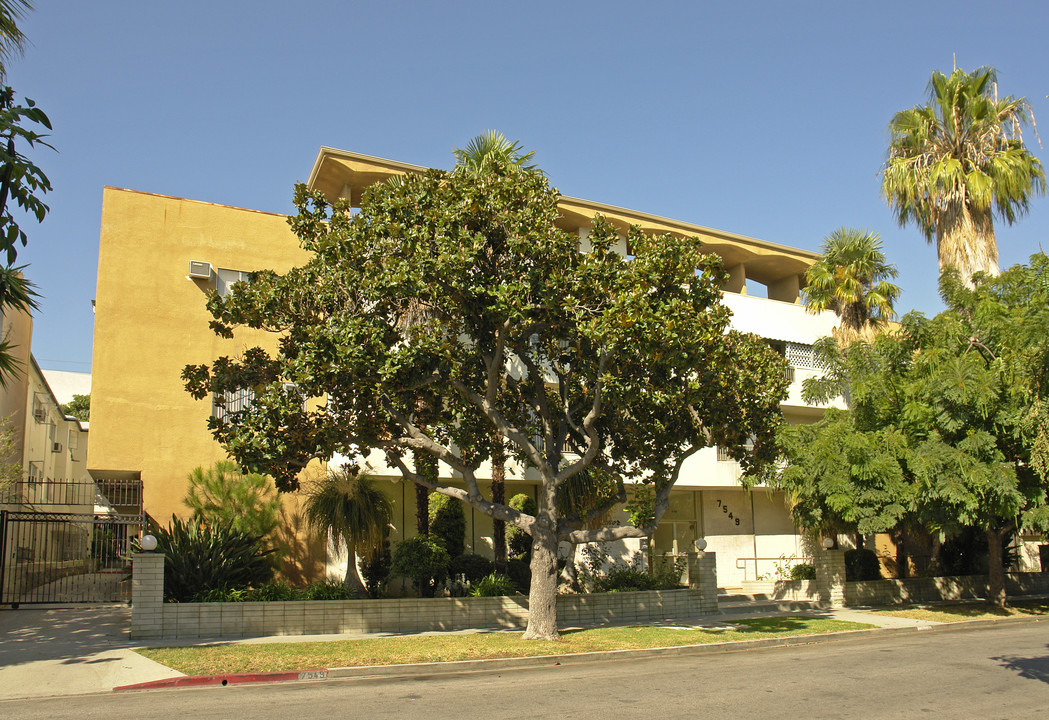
(75, 651)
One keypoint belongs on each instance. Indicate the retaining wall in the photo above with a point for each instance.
(153, 619)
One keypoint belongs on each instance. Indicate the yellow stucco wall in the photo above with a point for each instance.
(151, 321)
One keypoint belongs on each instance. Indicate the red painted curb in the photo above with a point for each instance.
(229, 679)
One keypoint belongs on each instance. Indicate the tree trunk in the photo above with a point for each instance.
(425, 465)
(995, 570)
(499, 497)
(570, 574)
(965, 240)
(353, 581)
(902, 562)
(542, 597)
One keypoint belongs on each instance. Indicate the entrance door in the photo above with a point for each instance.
(679, 529)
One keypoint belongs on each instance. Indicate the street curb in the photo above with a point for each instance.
(433, 669)
(225, 679)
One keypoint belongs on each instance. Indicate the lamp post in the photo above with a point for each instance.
(148, 543)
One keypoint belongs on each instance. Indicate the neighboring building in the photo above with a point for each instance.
(159, 255)
(62, 532)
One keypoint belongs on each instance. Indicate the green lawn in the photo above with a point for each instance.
(955, 612)
(238, 658)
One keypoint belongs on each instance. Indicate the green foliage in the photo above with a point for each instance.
(471, 567)
(79, 407)
(493, 585)
(376, 569)
(949, 420)
(423, 560)
(223, 495)
(327, 590)
(518, 542)
(803, 571)
(199, 557)
(277, 591)
(452, 308)
(348, 504)
(598, 575)
(851, 279)
(448, 523)
(520, 572)
(862, 565)
(957, 159)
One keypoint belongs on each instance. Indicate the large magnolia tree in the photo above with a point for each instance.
(576, 360)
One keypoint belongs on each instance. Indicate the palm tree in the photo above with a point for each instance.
(348, 505)
(851, 279)
(489, 146)
(958, 160)
(12, 39)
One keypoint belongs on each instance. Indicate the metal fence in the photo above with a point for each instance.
(48, 557)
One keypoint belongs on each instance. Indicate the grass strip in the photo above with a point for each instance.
(956, 612)
(272, 657)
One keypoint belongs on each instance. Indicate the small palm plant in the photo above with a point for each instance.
(348, 505)
(852, 279)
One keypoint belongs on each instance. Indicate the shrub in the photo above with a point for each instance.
(200, 557)
(223, 495)
(448, 523)
(327, 590)
(627, 576)
(493, 585)
(520, 573)
(375, 570)
(422, 560)
(803, 571)
(861, 565)
(518, 542)
(472, 567)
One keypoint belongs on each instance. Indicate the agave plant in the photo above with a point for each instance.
(200, 558)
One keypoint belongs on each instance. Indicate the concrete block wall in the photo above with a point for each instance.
(830, 577)
(151, 618)
(147, 596)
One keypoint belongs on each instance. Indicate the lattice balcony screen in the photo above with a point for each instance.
(801, 355)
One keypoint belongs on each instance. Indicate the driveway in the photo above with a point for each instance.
(69, 651)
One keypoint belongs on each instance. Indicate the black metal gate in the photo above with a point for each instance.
(49, 557)
(54, 549)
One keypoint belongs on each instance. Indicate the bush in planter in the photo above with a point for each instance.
(518, 542)
(472, 567)
(423, 560)
(327, 590)
(520, 573)
(201, 557)
(448, 522)
(862, 565)
(803, 571)
(493, 585)
(375, 570)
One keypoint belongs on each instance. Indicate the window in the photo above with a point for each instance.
(230, 401)
(225, 279)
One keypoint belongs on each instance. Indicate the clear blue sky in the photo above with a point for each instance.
(766, 119)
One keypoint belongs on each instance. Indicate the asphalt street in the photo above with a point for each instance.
(985, 671)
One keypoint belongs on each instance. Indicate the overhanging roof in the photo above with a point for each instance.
(339, 173)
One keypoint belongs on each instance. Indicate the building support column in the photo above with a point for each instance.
(147, 595)
(830, 577)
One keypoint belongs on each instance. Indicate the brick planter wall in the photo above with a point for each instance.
(153, 619)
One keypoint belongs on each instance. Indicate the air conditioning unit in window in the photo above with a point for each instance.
(199, 270)
(39, 414)
(56, 447)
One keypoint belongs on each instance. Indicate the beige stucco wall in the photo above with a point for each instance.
(151, 321)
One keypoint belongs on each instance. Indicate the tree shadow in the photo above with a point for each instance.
(1032, 668)
(67, 634)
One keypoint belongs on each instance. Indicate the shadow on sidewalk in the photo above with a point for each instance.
(64, 634)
